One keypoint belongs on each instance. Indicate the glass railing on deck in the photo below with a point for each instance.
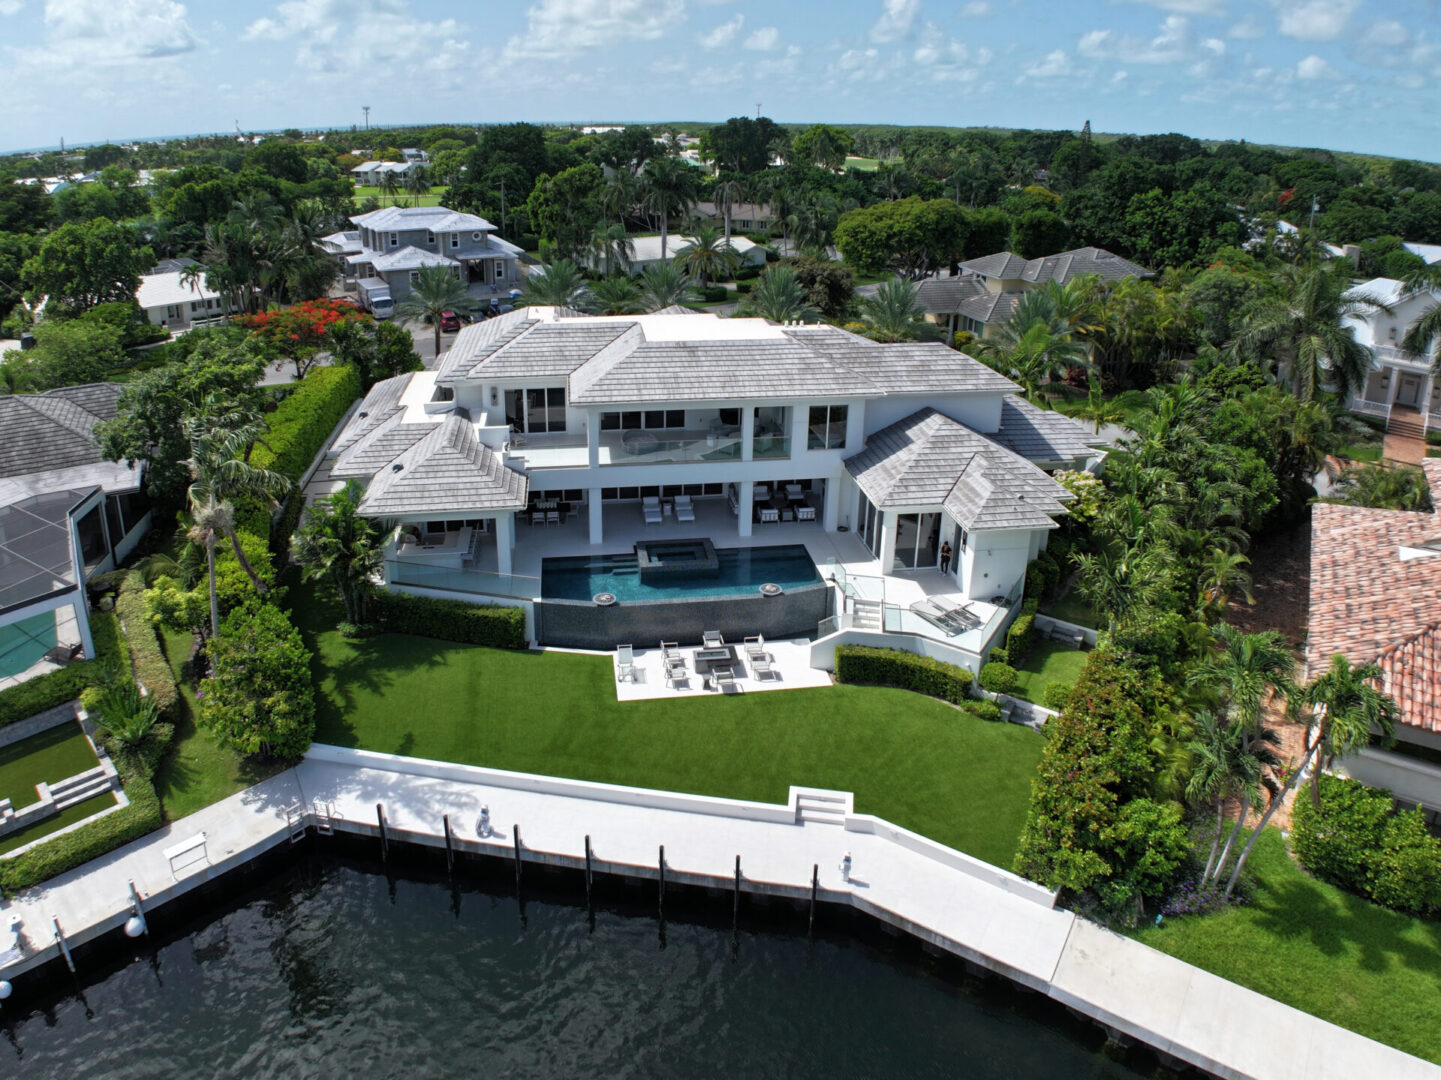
(478, 582)
(645, 448)
(770, 447)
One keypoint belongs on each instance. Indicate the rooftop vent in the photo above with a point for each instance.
(396, 467)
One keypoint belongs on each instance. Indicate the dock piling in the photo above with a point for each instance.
(736, 902)
(660, 893)
(515, 832)
(64, 947)
(449, 847)
(384, 840)
(815, 888)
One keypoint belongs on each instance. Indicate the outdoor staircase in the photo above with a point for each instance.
(76, 789)
(822, 807)
(867, 614)
(1406, 423)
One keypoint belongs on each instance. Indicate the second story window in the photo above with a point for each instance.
(455, 239)
(430, 237)
(394, 239)
(826, 429)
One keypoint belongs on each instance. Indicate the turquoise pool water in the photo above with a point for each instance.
(742, 571)
(25, 642)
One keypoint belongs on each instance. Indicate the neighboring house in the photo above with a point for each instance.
(368, 173)
(65, 516)
(1376, 598)
(397, 241)
(988, 289)
(1431, 253)
(342, 245)
(168, 299)
(646, 251)
(1400, 389)
(543, 433)
(745, 217)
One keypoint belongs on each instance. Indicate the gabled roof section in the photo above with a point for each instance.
(479, 340)
(54, 430)
(989, 307)
(928, 459)
(378, 447)
(409, 257)
(1003, 264)
(943, 295)
(551, 349)
(435, 218)
(1043, 435)
(379, 405)
(1060, 268)
(447, 471)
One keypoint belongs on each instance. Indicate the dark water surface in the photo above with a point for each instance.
(329, 970)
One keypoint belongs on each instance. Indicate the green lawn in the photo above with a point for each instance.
(1361, 452)
(1049, 662)
(910, 759)
(400, 198)
(864, 164)
(1072, 609)
(45, 757)
(1322, 950)
(69, 816)
(199, 770)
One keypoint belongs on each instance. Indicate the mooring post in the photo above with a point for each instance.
(515, 831)
(449, 848)
(384, 841)
(660, 895)
(815, 887)
(736, 903)
(587, 869)
(64, 948)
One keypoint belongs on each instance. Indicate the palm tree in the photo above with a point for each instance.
(1382, 487)
(780, 297)
(334, 542)
(1423, 337)
(728, 191)
(220, 475)
(434, 291)
(618, 197)
(664, 285)
(614, 296)
(1245, 671)
(389, 183)
(1302, 330)
(1120, 583)
(1033, 351)
(1221, 575)
(611, 247)
(706, 257)
(1347, 710)
(1227, 764)
(670, 187)
(1101, 410)
(895, 309)
(417, 182)
(562, 285)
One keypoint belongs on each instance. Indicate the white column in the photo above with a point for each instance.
(831, 504)
(597, 515)
(887, 526)
(592, 438)
(504, 542)
(82, 623)
(747, 507)
(748, 432)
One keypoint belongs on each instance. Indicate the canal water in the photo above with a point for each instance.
(330, 969)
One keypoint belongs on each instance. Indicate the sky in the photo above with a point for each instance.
(1343, 74)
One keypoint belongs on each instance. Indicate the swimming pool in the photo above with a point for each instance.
(741, 571)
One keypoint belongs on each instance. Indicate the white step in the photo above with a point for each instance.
(61, 788)
(98, 786)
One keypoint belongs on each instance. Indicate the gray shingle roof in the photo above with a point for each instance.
(1060, 268)
(943, 295)
(928, 459)
(904, 367)
(378, 447)
(447, 471)
(44, 432)
(479, 340)
(409, 257)
(549, 349)
(1043, 435)
(991, 307)
(435, 218)
(379, 405)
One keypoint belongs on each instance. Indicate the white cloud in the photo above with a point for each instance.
(557, 28)
(1314, 20)
(1214, 45)
(1388, 34)
(90, 31)
(896, 18)
(1190, 7)
(1170, 46)
(335, 37)
(946, 59)
(1053, 65)
(763, 40)
(1313, 68)
(1118, 78)
(975, 9)
(10, 7)
(722, 35)
(1248, 29)
(856, 59)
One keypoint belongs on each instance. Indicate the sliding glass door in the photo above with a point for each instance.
(918, 541)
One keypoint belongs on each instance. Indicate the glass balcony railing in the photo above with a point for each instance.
(478, 582)
(770, 447)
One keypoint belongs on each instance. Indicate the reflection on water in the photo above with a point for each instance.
(331, 971)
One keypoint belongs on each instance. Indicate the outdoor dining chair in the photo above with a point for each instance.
(712, 639)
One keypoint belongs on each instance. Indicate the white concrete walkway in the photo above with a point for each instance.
(964, 906)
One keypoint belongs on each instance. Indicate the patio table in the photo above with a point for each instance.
(705, 659)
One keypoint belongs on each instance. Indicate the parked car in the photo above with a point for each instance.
(449, 321)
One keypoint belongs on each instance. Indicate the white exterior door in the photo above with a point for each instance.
(1408, 390)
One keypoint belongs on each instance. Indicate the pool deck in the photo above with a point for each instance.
(984, 915)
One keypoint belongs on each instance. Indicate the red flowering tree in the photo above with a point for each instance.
(299, 333)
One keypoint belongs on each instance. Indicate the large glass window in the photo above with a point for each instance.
(918, 540)
(651, 418)
(827, 427)
(868, 525)
(91, 531)
(536, 410)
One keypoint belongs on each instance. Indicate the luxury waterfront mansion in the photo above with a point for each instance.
(547, 434)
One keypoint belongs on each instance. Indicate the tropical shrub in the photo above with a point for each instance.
(1357, 840)
(151, 668)
(998, 678)
(985, 710)
(1019, 639)
(450, 620)
(259, 699)
(905, 671)
(125, 715)
(1055, 696)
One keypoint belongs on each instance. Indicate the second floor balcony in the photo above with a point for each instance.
(571, 450)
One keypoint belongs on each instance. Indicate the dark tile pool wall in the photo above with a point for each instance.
(575, 624)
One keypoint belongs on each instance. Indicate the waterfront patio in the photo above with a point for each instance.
(790, 669)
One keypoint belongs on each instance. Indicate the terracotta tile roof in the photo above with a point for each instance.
(1376, 598)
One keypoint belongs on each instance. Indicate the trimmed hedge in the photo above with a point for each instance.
(998, 678)
(152, 670)
(1019, 639)
(713, 294)
(303, 421)
(903, 670)
(450, 620)
(57, 687)
(1055, 695)
(986, 710)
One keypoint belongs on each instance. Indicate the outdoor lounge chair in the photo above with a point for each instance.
(805, 513)
(712, 639)
(684, 508)
(794, 492)
(761, 665)
(724, 678)
(651, 507)
(625, 663)
(953, 619)
(671, 650)
(760, 491)
(552, 517)
(756, 646)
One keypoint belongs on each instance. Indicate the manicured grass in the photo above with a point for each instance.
(1361, 452)
(910, 759)
(372, 191)
(1049, 662)
(1072, 609)
(864, 164)
(198, 770)
(45, 757)
(69, 816)
(1317, 948)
